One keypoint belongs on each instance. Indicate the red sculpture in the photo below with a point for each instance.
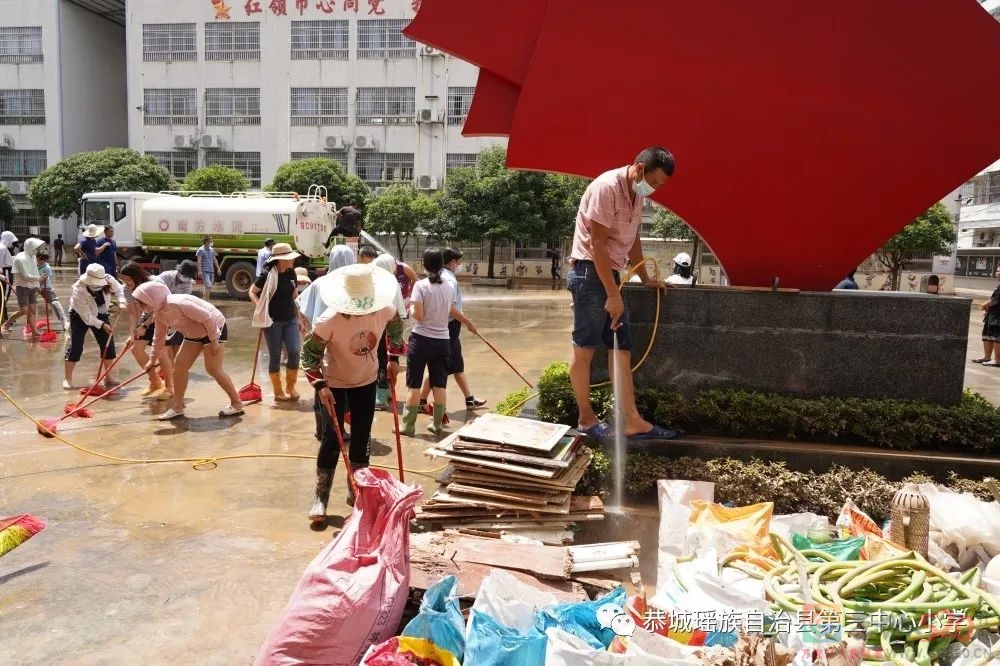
(806, 133)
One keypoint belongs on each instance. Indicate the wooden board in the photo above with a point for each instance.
(540, 561)
(519, 470)
(526, 434)
(508, 457)
(565, 479)
(528, 497)
(440, 498)
(563, 451)
(425, 572)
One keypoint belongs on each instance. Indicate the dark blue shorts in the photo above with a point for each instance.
(591, 322)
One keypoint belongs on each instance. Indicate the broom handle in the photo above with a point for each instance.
(343, 451)
(487, 342)
(256, 354)
(104, 351)
(142, 373)
(395, 417)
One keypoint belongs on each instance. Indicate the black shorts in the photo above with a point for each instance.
(456, 364)
(431, 353)
(205, 341)
(174, 340)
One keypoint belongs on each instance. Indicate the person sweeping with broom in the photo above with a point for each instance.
(276, 314)
(132, 275)
(89, 311)
(340, 359)
(204, 330)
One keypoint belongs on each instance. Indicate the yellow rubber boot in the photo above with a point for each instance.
(291, 376)
(279, 392)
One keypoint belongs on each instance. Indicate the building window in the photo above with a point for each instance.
(27, 221)
(383, 39)
(170, 106)
(21, 164)
(459, 100)
(20, 45)
(238, 40)
(319, 106)
(169, 42)
(320, 40)
(385, 106)
(178, 164)
(457, 160)
(246, 163)
(232, 106)
(384, 168)
(339, 156)
(22, 107)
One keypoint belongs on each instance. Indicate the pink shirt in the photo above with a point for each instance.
(351, 358)
(607, 201)
(190, 315)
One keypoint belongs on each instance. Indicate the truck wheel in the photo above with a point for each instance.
(239, 278)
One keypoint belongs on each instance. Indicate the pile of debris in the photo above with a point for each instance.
(512, 476)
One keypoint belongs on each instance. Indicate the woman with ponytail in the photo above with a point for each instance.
(433, 301)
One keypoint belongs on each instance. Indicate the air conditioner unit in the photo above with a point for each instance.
(427, 183)
(430, 52)
(18, 187)
(181, 141)
(211, 141)
(6, 141)
(364, 143)
(333, 143)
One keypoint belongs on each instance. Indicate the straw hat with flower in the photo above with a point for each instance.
(358, 289)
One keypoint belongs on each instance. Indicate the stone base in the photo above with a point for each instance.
(491, 282)
(809, 344)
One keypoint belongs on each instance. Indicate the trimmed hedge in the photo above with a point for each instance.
(741, 483)
(971, 427)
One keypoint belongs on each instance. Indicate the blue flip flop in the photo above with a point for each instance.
(656, 433)
(600, 431)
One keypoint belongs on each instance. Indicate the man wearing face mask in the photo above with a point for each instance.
(605, 243)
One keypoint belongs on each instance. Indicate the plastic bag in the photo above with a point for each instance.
(435, 637)
(748, 524)
(490, 643)
(580, 618)
(509, 601)
(641, 649)
(353, 593)
(841, 549)
(675, 519)
(963, 522)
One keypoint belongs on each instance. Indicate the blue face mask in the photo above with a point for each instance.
(643, 189)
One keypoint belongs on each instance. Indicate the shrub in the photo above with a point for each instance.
(741, 483)
(513, 403)
(972, 426)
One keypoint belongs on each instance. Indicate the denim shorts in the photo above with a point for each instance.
(591, 322)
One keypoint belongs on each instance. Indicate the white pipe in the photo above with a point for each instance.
(607, 552)
(625, 563)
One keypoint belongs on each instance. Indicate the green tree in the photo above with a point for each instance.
(7, 208)
(668, 225)
(559, 203)
(930, 234)
(217, 178)
(300, 175)
(57, 190)
(401, 211)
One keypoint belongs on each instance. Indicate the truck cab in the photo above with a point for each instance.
(122, 212)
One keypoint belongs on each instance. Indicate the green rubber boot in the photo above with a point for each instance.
(409, 421)
(438, 426)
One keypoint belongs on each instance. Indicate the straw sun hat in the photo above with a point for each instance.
(302, 275)
(283, 251)
(93, 231)
(358, 289)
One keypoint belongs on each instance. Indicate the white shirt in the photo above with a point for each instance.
(263, 254)
(437, 300)
(83, 304)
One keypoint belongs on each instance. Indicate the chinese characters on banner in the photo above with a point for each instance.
(303, 7)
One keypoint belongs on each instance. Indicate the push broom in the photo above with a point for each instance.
(494, 349)
(252, 393)
(49, 335)
(395, 422)
(15, 531)
(96, 388)
(47, 427)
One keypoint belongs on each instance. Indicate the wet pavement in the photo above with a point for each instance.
(168, 563)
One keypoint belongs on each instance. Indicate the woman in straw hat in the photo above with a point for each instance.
(275, 311)
(204, 330)
(86, 248)
(88, 311)
(361, 311)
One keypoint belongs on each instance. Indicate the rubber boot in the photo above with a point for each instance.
(437, 427)
(409, 421)
(279, 393)
(381, 398)
(291, 376)
(350, 488)
(324, 479)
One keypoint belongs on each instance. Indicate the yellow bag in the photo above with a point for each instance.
(750, 524)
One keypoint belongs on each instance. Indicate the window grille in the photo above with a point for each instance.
(24, 219)
(320, 40)
(21, 164)
(379, 169)
(236, 40)
(232, 106)
(459, 100)
(385, 106)
(22, 107)
(339, 156)
(178, 164)
(319, 106)
(456, 160)
(170, 106)
(383, 39)
(169, 42)
(21, 45)
(246, 163)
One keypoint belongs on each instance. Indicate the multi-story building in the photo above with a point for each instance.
(62, 90)
(255, 84)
